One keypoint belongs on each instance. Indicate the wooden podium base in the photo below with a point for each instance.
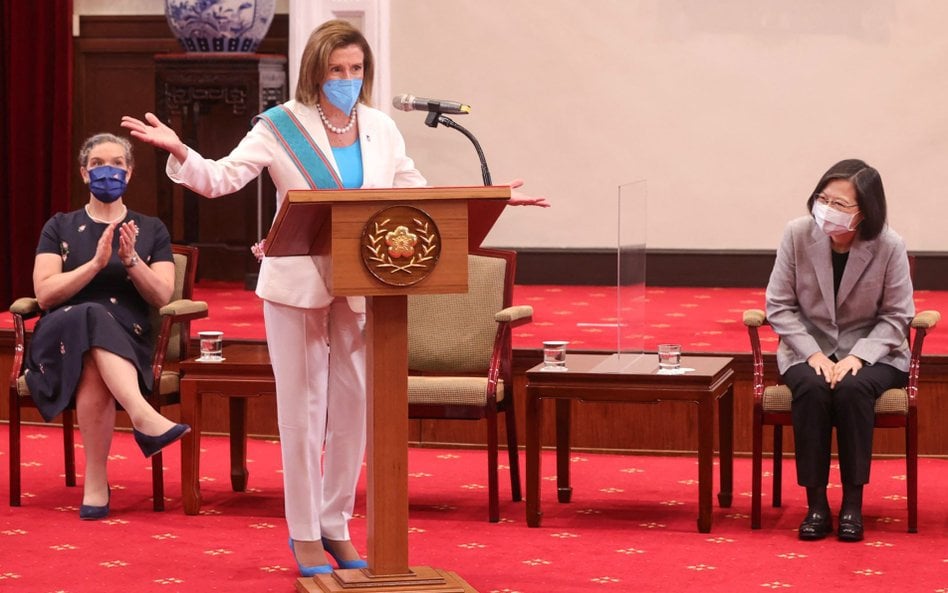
(419, 579)
(335, 224)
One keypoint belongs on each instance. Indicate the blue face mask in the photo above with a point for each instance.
(107, 183)
(343, 93)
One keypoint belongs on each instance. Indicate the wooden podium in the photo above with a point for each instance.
(386, 244)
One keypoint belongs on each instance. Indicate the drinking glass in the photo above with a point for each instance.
(554, 355)
(212, 344)
(669, 356)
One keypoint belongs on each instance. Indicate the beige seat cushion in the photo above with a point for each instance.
(893, 401)
(21, 387)
(460, 391)
(455, 333)
(170, 382)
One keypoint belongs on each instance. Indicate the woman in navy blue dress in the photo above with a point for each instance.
(98, 270)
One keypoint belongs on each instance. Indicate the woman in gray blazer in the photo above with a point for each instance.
(840, 298)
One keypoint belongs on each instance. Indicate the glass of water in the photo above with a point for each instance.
(212, 345)
(554, 355)
(669, 356)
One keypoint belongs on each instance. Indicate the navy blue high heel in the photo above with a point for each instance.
(345, 564)
(309, 571)
(91, 513)
(151, 445)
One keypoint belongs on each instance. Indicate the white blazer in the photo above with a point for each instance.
(299, 281)
(870, 316)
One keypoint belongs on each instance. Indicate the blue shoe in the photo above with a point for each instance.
(345, 564)
(91, 513)
(309, 571)
(151, 445)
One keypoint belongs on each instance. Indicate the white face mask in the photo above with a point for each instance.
(832, 221)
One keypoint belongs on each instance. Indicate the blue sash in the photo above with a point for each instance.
(300, 147)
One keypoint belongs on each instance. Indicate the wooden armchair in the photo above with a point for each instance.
(459, 358)
(171, 324)
(895, 408)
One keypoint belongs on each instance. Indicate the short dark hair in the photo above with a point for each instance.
(870, 195)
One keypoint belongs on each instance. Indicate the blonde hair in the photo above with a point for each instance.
(314, 66)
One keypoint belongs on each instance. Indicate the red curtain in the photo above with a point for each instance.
(35, 131)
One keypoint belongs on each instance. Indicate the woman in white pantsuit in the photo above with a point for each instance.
(328, 137)
(320, 406)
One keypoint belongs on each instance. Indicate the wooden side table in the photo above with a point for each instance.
(630, 379)
(244, 372)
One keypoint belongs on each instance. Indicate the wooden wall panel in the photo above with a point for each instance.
(685, 267)
(114, 75)
(666, 428)
(670, 427)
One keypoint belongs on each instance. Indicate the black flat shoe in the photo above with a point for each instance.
(151, 445)
(91, 513)
(816, 525)
(850, 526)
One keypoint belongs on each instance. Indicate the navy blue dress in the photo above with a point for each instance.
(107, 313)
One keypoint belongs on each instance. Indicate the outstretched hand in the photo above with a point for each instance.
(521, 199)
(153, 131)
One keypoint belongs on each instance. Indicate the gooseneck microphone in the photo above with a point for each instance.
(413, 103)
(436, 115)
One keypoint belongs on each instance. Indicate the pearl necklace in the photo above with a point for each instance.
(99, 220)
(332, 128)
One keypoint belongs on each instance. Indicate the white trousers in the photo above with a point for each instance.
(320, 411)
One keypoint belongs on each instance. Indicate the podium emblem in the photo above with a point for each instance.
(400, 245)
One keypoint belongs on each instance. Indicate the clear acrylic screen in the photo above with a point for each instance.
(630, 261)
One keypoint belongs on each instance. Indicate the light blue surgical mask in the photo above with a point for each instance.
(107, 183)
(343, 93)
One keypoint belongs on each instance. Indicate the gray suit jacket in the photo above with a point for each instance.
(870, 316)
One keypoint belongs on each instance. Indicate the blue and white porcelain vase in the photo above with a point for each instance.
(220, 25)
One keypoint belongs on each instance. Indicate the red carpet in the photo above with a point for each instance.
(700, 319)
(630, 527)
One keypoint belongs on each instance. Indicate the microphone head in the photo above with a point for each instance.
(403, 102)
